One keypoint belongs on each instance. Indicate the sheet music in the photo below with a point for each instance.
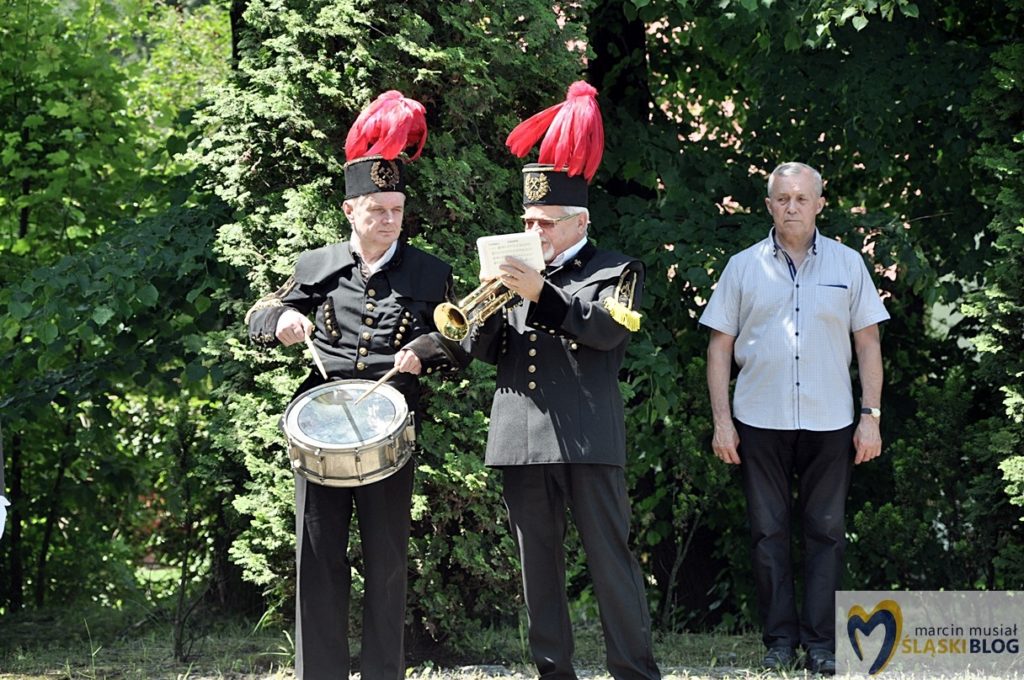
(493, 250)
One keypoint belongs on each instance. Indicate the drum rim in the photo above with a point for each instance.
(394, 427)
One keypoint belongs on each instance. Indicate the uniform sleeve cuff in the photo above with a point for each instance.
(550, 310)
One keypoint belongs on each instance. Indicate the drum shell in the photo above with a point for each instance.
(377, 457)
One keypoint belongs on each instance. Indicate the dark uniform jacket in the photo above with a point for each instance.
(361, 324)
(557, 396)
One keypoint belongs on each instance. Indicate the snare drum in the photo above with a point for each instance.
(333, 443)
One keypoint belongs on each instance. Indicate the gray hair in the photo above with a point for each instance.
(794, 168)
(577, 210)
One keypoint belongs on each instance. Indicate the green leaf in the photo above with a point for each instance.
(102, 314)
(48, 333)
(910, 10)
(58, 157)
(20, 309)
(148, 295)
(860, 21)
(59, 109)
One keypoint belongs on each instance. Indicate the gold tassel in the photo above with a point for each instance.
(623, 314)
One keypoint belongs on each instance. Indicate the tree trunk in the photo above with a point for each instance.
(237, 26)
(51, 519)
(619, 72)
(16, 584)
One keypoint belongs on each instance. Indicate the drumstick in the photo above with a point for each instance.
(387, 376)
(316, 355)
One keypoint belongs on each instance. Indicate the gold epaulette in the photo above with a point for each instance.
(272, 299)
(620, 303)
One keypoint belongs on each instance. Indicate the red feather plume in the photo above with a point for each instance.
(386, 127)
(573, 133)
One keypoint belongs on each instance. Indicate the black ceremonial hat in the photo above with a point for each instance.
(375, 144)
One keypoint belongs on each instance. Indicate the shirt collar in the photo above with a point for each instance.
(776, 247)
(568, 253)
(372, 269)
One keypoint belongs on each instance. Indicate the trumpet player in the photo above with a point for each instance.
(557, 431)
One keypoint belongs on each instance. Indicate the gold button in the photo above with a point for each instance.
(360, 366)
(573, 345)
(430, 370)
(368, 321)
(401, 329)
(362, 351)
(532, 352)
(371, 293)
(398, 343)
(532, 385)
(552, 331)
(531, 368)
(366, 335)
(533, 337)
(398, 336)
(369, 306)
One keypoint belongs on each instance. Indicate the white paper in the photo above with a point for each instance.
(524, 245)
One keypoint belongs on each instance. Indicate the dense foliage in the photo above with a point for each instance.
(161, 170)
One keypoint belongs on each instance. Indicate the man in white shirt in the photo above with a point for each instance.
(785, 310)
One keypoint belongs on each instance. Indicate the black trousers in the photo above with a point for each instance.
(536, 497)
(823, 465)
(322, 596)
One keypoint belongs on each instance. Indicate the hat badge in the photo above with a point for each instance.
(384, 174)
(536, 186)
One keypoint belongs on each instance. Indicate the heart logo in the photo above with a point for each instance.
(886, 614)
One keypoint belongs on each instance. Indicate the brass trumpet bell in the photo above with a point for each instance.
(454, 321)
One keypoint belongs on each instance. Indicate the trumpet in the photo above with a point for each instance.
(454, 321)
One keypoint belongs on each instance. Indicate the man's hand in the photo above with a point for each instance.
(293, 327)
(520, 279)
(408, 362)
(726, 443)
(867, 440)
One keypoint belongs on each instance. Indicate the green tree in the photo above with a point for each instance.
(876, 95)
(108, 279)
(273, 150)
(997, 107)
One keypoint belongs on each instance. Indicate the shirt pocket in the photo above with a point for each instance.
(832, 302)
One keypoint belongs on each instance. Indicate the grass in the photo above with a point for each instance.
(94, 643)
(91, 642)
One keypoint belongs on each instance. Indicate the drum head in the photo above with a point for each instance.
(326, 418)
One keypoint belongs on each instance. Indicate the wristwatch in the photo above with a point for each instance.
(870, 411)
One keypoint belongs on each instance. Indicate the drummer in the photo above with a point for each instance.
(372, 300)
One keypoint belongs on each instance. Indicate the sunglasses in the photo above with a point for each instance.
(544, 223)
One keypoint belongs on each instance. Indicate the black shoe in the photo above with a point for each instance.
(821, 661)
(780, 659)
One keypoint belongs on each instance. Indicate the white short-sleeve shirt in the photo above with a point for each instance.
(792, 330)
